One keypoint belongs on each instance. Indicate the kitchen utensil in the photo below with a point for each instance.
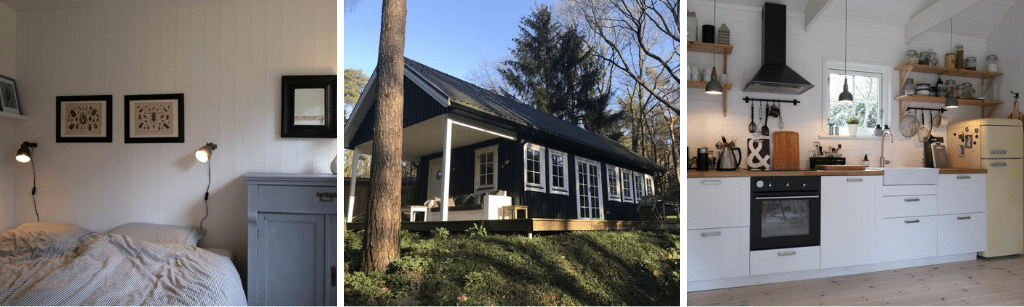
(780, 119)
(939, 120)
(764, 129)
(752, 127)
(729, 158)
(786, 151)
(923, 134)
(1016, 111)
(907, 128)
(939, 157)
(773, 111)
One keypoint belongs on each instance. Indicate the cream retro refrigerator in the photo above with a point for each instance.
(996, 145)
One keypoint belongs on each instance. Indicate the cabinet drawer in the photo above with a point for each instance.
(785, 260)
(297, 199)
(961, 193)
(961, 233)
(717, 202)
(908, 238)
(717, 253)
(911, 205)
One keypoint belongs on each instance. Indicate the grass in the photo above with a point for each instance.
(579, 268)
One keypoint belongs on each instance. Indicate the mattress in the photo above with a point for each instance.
(67, 268)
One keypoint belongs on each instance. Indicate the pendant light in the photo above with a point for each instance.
(951, 102)
(714, 87)
(846, 96)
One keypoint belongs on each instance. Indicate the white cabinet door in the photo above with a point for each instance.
(908, 238)
(848, 221)
(717, 202)
(291, 259)
(717, 253)
(961, 233)
(961, 193)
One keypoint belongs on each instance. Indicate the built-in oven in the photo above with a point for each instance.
(785, 212)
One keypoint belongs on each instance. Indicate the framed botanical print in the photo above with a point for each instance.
(84, 118)
(154, 118)
(9, 102)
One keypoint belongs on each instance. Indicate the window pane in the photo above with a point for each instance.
(866, 90)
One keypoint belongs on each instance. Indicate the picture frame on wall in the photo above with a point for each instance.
(157, 118)
(307, 106)
(85, 119)
(9, 102)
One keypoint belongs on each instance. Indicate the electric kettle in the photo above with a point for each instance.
(729, 158)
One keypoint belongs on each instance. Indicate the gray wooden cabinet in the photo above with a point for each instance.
(292, 238)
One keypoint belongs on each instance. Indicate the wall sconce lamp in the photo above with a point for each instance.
(203, 153)
(25, 156)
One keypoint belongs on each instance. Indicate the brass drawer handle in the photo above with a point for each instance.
(963, 177)
(326, 197)
(966, 217)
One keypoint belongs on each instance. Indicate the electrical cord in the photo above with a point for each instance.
(34, 206)
(206, 199)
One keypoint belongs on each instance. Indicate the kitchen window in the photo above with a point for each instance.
(533, 161)
(613, 183)
(486, 169)
(871, 97)
(558, 171)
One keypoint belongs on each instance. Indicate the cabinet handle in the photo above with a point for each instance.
(789, 253)
(963, 177)
(334, 276)
(326, 197)
(711, 182)
(710, 234)
(966, 217)
(854, 179)
(999, 152)
(912, 221)
(911, 199)
(997, 164)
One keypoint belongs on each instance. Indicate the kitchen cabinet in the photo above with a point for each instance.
(848, 216)
(717, 253)
(985, 78)
(909, 238)
(717, 202)
(961, 233)
(908, 205)
(785, 260)
(292, 231)
(725, 51)
(961, 193)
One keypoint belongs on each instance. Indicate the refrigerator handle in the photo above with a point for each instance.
(998, 164)
(999, 152)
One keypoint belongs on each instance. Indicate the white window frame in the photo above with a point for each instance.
(649, 185)
(531, 186)
(638, 187)
(477, 185)
(627, 185)
(886, 112)
(612, 177)
(564, 189)
(600, 198)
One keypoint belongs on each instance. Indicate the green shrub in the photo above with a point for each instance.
(439, 233)
(410, 263)
(477, 230)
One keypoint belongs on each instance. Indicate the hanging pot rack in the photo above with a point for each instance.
(748, 100)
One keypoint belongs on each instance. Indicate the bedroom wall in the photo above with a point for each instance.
(226, 56)
(8, 143)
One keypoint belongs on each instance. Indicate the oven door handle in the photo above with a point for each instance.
(785, 197)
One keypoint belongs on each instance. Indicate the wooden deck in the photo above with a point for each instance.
(530, 225)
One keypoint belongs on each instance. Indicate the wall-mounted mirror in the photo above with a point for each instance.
(307, 106)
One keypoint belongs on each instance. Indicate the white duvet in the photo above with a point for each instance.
(39, 267)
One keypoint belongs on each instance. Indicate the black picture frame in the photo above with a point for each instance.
(9, 100)
(85, 119)
(312, 126)
(154, 118)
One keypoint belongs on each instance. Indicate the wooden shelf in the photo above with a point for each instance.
(943, 71)
(987, 106)
(13, 116)
(702, 84)
(709, 48)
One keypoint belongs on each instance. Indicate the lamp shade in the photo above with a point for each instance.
(846, 96)
(203, 153)
(25, 152)
(713, 87)
(951, 102)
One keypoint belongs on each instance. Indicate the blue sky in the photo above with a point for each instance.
(451, 36)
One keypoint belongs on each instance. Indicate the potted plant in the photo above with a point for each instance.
(851, 124)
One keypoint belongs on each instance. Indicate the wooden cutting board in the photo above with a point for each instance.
(785, 151)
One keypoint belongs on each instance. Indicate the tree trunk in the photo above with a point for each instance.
(383, 216)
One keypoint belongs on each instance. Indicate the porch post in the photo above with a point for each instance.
(446, 167)
(352, 183)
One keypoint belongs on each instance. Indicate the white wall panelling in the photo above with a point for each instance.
(869, 43)
(226, 56)
(8, 141)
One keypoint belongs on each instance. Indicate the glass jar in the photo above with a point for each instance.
(970, 90)
(922, 58)
(992, 63)
(950, 85)
(912, 57)
(971, 63)
(961, 90)
(933, 58)
(908, 87)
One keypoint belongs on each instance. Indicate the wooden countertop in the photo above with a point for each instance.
(746, 173)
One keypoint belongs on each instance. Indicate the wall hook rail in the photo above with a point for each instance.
(748, 100)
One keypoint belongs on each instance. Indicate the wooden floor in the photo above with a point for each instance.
(997, 281)
(531, 225)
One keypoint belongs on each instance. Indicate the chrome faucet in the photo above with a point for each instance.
(881, 160)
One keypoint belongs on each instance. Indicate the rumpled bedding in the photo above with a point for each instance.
(73, 266)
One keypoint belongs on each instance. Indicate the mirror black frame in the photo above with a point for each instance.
(329, 83)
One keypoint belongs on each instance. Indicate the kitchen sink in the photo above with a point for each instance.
(908, 175)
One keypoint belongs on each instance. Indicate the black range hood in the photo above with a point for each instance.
(774, 76)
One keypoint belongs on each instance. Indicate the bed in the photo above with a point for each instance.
(134, 264)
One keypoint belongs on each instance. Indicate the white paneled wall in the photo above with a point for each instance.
(8, 143)
(226, 56)
(806, 52)
(1007, 41)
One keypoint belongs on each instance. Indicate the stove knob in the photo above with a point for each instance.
(803, 185)
(759, 183)
(787, 184)
(769, 184)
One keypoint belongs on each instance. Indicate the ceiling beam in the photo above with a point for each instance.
(812, 11)
(933, 15)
